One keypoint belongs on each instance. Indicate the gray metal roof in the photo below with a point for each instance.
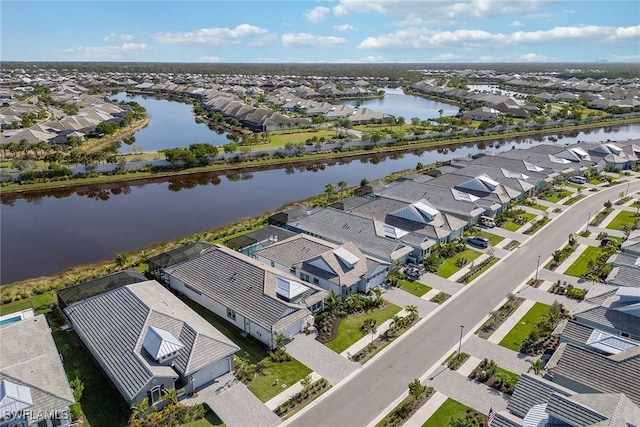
(566, 409)
(620, 258)
(341, 227)
(624, 275)
(610, 319)
(532, 390)
(618, 373)
(246, 286)
(30, 358)
(301, 250)
(574, 331)
(113, 326)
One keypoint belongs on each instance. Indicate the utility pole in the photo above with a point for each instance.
(460, 341)
(537, 268)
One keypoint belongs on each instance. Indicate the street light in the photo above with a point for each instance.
(588, 219)
(460, 341)
(626, 193)
(537, 268)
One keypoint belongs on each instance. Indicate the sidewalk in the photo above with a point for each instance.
(426, 411)
(511, 321)
(505, 358)
(509, 234)
(290, 392)
(403, 298)
(366, 340)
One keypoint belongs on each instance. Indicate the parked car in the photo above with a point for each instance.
(486, 221)
(606, 240)
(578, 179)
(481, 242)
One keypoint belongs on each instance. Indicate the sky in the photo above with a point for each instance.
(337, 31)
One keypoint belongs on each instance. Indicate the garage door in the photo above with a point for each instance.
(210, 372)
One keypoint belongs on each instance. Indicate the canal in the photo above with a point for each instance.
(45, 234)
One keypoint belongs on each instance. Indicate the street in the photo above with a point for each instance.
(360, 400)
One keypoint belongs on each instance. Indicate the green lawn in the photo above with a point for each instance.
(539, 207)
(349, 329)
(287, 373)
(623, 219)
(555, 196)
(39, 302)
(415, 288)
(574, 185)
(512, 226)
(100, 403)
(449, 409)
(494, 239)
(579, 266)
(449, 266)
(519, 332)
(256, 350)
(513, 377)
(280, 138)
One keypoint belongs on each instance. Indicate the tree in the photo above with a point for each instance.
(412, 311)
(369, 326)
(329, 190)
(306, 383)
(170, 394)
(416, 389)
(279, 341)
(332, 301)
(343, 187)
(441, 111)
(608, 205)
(365, 181)
(231, 147)
(140, 410)
(536, 366)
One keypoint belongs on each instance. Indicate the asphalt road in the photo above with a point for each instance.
(361, 399)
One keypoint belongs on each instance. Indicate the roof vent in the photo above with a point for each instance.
(160, 344)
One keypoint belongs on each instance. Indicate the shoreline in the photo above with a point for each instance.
(308, 160)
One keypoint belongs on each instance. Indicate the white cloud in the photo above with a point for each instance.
(362, 60)
(209, 59)
(436, 11)
(312, 40)
(534, 57)
(262, 40)
(340, 10)
(317, 14)
(212, 36)
(118, 36)
(345, 27)
(107, 52)
(445, 57)
(516, 24)
(424, 38)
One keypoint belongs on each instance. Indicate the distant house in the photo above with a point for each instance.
(147, 340)
(482, 114)
(342, 269)
(257, 298)
(34, 390)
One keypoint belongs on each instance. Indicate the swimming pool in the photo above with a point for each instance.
(10, 320)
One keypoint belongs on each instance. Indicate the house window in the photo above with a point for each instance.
(156, 395)
(231, 314)
(42, 423)
(56, 422)
(292, 270)
(316, 281)
(624, 334)
(304, 276)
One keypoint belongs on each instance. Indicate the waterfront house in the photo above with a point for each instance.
(34, 390)
(255, 297)
(342, 269)
(147, 340)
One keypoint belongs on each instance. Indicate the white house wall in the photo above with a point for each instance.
(209, 373)
(377, 278)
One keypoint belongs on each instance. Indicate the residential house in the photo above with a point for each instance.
(371, 237)
(34, 390)
(539, 402)
(147, 340)
(257, 298)
(343, 269)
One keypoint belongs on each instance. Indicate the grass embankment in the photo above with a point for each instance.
(349, 330)
(518, 333)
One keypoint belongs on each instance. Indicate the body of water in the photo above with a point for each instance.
(45, 234)
(171, 124)
(398, 104)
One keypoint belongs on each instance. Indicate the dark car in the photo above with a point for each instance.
(481, 242)
(606, 240)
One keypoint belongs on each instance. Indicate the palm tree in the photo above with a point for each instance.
(502, 378)
(279, 341)
(329, 190)
(332, 301)
(171, 394)
(343, 187)
(536, 366)
(397, 320)
(377, 294)
(140, 410)
(370, 326)
(412, 311)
